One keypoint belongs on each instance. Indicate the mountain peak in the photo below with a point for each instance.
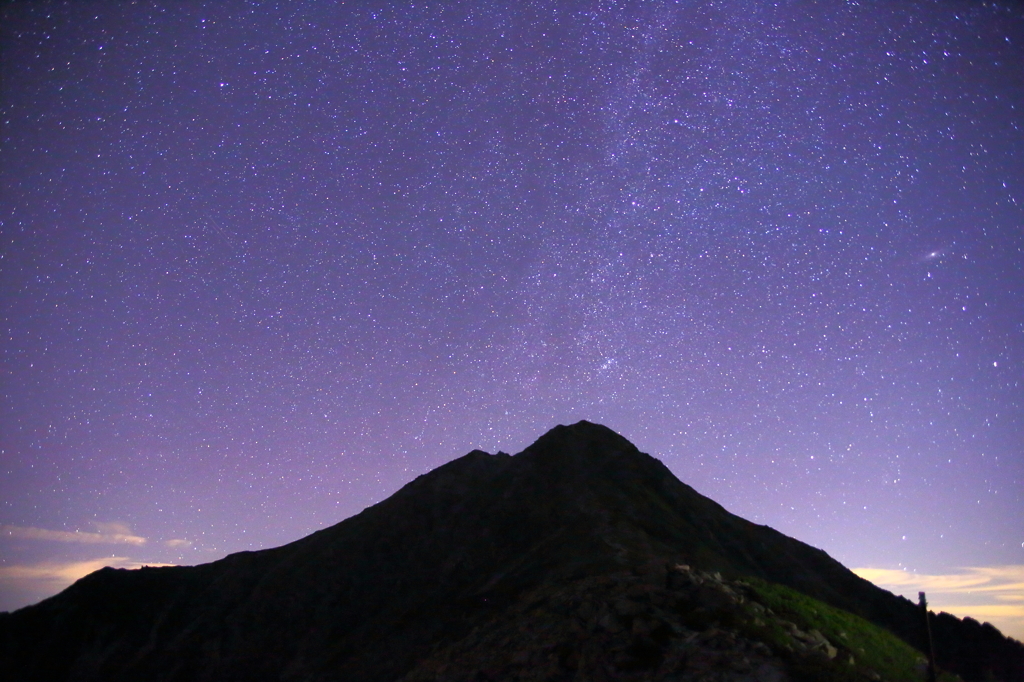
(583, 443)
(454, 550)
(583, 431)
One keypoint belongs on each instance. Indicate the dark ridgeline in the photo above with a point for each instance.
(371, 597)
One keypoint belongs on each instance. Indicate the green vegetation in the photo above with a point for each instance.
(864, 651)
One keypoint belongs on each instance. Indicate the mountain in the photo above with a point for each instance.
(578, 558)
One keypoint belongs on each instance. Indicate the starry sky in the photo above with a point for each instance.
(264, 263)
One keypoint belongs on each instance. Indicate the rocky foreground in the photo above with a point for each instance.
(679, 624)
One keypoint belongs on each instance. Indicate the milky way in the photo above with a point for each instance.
(264, 264)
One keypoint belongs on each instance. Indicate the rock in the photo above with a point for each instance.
(626, 608)
(608, 621)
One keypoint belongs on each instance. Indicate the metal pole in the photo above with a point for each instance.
(928, 631)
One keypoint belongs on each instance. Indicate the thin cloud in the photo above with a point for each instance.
(1000, 580)
(49, 574)
(24, 584)
(997, 592)
(61, 572)
(984, 611)
(109, 533)
(112, 528)
(176, 543)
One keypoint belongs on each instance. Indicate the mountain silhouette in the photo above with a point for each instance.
(578, 558)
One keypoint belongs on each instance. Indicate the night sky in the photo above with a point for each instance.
(265, 263)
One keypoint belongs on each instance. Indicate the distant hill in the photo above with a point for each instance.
(580, 558)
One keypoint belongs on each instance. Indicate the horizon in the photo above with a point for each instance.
(993, 595)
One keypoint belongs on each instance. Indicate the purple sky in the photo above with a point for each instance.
(264, 263)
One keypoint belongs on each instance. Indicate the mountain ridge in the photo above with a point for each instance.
(368, 597)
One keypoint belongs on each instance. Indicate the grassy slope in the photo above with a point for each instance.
(871, 648)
